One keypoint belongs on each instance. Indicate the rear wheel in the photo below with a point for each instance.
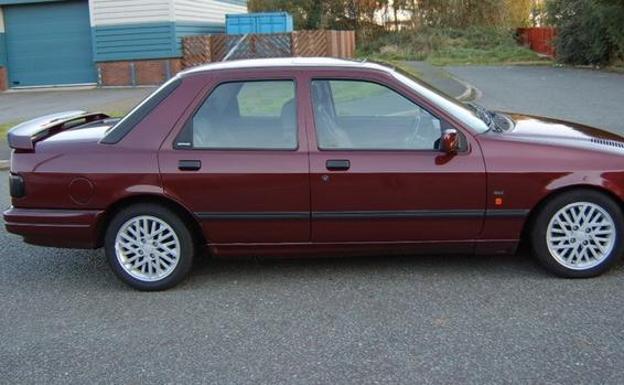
(149, 247)
(578, 234)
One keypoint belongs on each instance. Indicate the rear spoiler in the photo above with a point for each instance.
(24, 135)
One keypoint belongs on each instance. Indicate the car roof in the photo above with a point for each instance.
(292, 62)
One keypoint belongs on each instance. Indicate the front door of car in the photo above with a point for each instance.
(239, 161)
(377, 174)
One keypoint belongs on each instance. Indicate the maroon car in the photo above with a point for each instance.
(299, 157)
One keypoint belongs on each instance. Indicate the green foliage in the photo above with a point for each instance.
(443, 46)
(589, 31)
(471, 13)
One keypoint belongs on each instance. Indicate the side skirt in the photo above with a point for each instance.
(302, 250)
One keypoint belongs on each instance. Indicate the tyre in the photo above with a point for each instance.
(578, 234)
(149, 247)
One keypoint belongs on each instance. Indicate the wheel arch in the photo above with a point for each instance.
(169, 203)
(531, 217)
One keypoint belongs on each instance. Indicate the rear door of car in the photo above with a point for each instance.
(238, 159)
(374, 180)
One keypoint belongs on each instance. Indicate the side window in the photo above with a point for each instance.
(247, 115)
(351, 114)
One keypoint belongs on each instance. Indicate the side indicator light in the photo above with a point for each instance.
(498, 201)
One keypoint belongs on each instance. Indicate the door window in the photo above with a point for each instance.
(247, 115)
(363, 115)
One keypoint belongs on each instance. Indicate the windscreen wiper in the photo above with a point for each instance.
(485, 115)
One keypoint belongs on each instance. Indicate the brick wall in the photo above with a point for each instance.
(3, 79)
(137, 73)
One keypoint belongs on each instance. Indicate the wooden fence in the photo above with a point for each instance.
(212, 48)
(539, 39)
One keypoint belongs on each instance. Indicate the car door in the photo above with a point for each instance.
(238, 160)
(377, 174)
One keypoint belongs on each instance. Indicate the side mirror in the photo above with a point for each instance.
(450, 141)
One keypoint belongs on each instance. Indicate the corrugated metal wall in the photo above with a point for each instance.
(111, 12)
(134, 41)
(2, 41)
(206, 11)
(151, 29)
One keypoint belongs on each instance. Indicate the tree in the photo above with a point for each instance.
(518, 12)
(469, 13)
(307, 14)
(315, 14)
(354, 14)
(397, 6)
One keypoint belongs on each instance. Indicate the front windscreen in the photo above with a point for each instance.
(452, 106)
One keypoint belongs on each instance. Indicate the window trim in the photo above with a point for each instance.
(443, 122)
(188, 124)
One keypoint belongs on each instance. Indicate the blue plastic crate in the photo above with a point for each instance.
(267, 22)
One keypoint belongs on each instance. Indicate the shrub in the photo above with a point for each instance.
(589, 31)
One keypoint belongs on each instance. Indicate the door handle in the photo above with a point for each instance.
(338, 165)
(189, 165)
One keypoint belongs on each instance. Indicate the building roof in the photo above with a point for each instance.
(286, 62)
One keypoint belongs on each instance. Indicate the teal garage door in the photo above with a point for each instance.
(49, 44)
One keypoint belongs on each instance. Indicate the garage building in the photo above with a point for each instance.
(106, 42)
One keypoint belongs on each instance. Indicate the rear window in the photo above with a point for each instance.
(246, 115)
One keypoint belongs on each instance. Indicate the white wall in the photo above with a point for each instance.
(1, 21)
(111, 12)
(204, 11)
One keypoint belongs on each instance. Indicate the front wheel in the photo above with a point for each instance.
(149, 247)
(578, 234)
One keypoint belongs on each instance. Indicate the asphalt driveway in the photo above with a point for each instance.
(585, 96)
(17, 106)
(66, 319)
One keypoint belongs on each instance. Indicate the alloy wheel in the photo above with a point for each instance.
(147, 248)
(581, 235)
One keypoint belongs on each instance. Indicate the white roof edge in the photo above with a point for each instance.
(285, 62)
